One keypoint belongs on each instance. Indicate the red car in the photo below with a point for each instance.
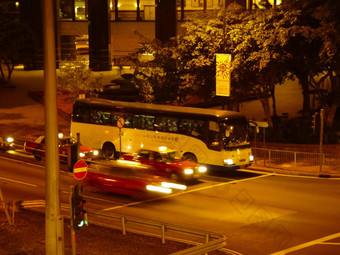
(128, 178)
(37, 148)
(168, 163)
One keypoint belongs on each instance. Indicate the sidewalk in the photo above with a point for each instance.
(23, 116)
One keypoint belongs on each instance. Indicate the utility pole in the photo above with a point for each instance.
(321, 138)
(54, 222)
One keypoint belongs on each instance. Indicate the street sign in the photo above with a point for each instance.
(120, 122)
(80, 169)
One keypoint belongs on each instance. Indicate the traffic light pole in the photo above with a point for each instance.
(321, 138)
(73, 233)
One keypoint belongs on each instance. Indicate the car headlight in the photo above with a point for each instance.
(95, 153)
(251, 157)
(82, 154)
(228, 161)
(171, 185)
(188, 171)
(202, 169)
(158, 189)
(9, 139)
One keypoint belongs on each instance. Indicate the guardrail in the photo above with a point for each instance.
(302, 162)
(204, 241)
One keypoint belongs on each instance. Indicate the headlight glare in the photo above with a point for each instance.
(171, 185)
(228, 161)
(10, 139)
(188, 171)
(158, 189)
(202, 169)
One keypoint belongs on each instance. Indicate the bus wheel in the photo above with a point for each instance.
(108, 150)
(190, 157)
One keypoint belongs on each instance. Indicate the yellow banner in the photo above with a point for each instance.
(223, 72)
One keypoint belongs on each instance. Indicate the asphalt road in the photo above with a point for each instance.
(259, 213)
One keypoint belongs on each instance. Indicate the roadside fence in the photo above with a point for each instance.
(202, 240)
(307, 163)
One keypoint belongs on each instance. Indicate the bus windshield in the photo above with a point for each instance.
(235, 133)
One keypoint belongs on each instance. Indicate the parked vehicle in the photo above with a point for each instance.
(128, 178)
(168, 163)
(124, 88)
(6, 142)
(37, 147)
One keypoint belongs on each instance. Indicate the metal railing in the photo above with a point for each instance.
(203, 241)
(299, 162)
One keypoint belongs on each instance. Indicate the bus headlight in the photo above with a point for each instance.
(251, 158)
(188, 171)
(228, 161)
(95, 153)
(81, 154)
(202, 169)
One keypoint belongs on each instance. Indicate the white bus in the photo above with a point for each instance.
(207, 136)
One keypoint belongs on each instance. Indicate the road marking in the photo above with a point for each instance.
(290, 175)
(184, 192)
(22, 162)
(304, 245)
(20, 182)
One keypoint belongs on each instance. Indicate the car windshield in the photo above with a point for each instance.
(67, 140)
(235, 133)
(171, 156)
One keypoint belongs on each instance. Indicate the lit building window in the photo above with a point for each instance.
(80, 10)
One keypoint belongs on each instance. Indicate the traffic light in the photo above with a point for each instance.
(78, 212)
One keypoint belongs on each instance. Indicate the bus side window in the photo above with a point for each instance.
(183, 127)
(128, 121)
(136, 121)
(94, 117)
(149, 122)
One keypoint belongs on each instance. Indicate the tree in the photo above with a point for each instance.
(17, 44)
(76, 78)
(329, 33)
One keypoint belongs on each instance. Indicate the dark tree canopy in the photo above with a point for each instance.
(17, 43)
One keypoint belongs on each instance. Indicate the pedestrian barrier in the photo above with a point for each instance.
(298, 162)
(203, 241)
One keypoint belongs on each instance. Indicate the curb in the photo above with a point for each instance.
(292, 172)
(38, 96)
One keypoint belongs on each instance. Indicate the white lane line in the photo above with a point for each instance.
(291, 175)
(20, 182)
(304, 245)
(185, 192)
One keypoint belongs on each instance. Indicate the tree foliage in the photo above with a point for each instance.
(17, 44)
(76, 78)
(268, 46)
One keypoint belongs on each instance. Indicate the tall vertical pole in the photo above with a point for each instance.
(321, 138)
(53, 235)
